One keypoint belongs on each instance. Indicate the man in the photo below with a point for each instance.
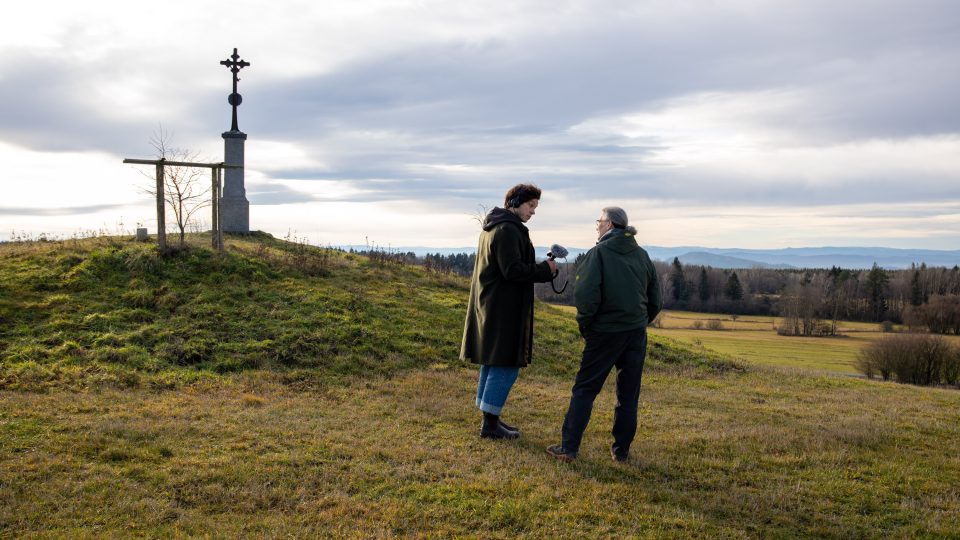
(617, 294)
(498, 330)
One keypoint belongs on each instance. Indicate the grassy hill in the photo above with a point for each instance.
(279, 389)
(104, 306)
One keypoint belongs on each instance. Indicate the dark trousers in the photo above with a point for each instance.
(604, 350)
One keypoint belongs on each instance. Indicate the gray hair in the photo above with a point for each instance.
(618, 217)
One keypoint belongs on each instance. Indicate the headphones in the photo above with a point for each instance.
(518, 198)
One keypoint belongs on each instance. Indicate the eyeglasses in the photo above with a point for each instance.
(599, 221)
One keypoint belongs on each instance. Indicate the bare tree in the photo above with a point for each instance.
(480, 216)
(798, 307)
(185, 189)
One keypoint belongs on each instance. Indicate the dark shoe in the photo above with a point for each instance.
(508, 427)
(560, 453)
(619, 458)
(493, 429)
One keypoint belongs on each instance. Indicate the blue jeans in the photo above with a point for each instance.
(494, 387)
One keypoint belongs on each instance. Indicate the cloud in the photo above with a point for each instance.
(746, 103)
(63, 211)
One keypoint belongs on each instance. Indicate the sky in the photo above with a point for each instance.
(723, 123)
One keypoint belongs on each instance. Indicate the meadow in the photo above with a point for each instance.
(325, 399)
(754, 339)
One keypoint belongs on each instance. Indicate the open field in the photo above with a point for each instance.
(836, 354)
(684, 319)
(278, 390)
(753, 339)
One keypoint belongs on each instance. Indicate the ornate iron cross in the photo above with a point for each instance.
(234, 99)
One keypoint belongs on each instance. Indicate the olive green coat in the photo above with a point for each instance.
(617, 287)
(498, 330)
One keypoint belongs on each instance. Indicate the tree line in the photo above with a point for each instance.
(810, 300)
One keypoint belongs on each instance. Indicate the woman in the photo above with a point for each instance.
(498, 331)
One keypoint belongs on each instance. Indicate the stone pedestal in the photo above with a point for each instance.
(234, 207)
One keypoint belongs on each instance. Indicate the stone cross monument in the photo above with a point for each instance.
(234, 206)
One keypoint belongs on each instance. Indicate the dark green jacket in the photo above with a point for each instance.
(498, 330)
(617, 287)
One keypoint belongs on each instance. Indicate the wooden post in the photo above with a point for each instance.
(216, 201)
(217, 180)
(214, 219)
(161, 221)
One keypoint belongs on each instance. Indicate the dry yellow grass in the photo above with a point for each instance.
(718, 455)
(753, 339)
(685, 319)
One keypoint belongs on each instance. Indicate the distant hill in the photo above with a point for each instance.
(704, 258)
(813, 257)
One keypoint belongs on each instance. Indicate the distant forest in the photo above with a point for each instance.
(811, 301)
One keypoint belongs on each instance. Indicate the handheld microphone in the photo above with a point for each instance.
(557, 252)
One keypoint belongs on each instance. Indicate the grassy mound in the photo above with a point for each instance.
(115, 312)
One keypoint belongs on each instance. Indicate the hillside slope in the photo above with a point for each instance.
(280, 390)
(105, 305)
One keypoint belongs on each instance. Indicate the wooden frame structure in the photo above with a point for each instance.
(217, 187)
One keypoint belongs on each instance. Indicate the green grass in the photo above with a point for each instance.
(77, 311)
(324, 399)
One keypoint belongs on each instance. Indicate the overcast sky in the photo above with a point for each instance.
(725, 123)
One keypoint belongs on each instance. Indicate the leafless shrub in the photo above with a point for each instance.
(300, 255)
(714, 324)
(297, 254)
(823, 329)
(911, 358)
(951, 369)
(941, 314)
(381, 256)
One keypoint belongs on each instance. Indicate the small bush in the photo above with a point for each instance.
(911, 358)
(951, 370)
(714, 324)
(886, 327)
(822, 329)
(941, 314)
(697, 325)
